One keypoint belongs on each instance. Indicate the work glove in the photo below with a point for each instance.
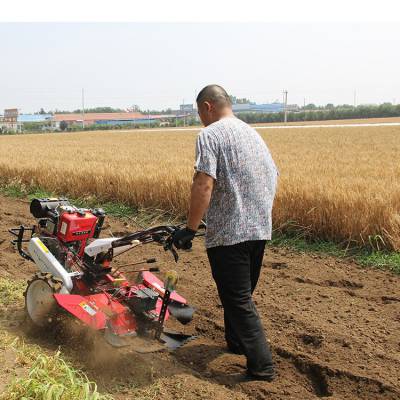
(182, 238)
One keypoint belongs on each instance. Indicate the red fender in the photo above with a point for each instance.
(95, 310)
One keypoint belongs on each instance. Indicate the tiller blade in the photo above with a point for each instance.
(168, 340)
(173, 340)
(115, 339)
(182, 312)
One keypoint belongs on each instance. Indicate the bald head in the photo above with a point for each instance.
(213, 103)
(214, 94)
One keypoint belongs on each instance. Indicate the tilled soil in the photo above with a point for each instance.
(333, 326)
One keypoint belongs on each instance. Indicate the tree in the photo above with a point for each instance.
(237, 100)
(310, 106)
(63, 125)
(99, 110)
(134, 108)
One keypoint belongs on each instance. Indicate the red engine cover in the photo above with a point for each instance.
(73, 226)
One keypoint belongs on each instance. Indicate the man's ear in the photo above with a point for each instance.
(208, 106)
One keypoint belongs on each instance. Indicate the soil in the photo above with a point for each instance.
(334, 329)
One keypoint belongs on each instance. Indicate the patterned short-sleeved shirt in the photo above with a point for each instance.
(236, 156)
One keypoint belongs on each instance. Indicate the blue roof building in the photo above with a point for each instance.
(258, 108)
(34, 117)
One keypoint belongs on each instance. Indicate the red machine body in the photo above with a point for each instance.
(76, 226)
(151, 281)
(77, 272)
(96, 309)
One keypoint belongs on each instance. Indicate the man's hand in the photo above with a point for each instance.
(182, 239)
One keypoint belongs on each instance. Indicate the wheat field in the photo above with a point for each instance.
(338, 184)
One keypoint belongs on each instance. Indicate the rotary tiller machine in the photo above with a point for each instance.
(75, 275)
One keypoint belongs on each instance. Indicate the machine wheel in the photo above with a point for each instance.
(40, 304)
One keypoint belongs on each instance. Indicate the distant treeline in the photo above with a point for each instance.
(108, 110)
(87, 110)
(329, 112)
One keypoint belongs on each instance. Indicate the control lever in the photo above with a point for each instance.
(169, 247)
(148, 261)
(154, 269)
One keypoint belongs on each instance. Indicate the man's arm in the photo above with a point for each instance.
(200, 196)
(202, 187)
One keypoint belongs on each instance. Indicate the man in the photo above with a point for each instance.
(235, 183)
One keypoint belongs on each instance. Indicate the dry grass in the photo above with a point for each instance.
(335, 122)
(341, 184)
(338, 184)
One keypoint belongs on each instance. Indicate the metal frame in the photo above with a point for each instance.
(19, 234)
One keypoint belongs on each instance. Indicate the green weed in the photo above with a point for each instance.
(49, 378)
(11, 292)
(369, 258)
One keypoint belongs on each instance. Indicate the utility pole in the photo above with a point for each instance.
(184, 112)
(355, 98)
(285, 93)
(83, 108)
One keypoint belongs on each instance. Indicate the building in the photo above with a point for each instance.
(186, 108)
(123, 118)
(263, 108)
(39, 118)
(36, 121)
(258, 108)
(9, 121)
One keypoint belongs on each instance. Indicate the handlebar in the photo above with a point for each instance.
(162, 234)
(155, 234)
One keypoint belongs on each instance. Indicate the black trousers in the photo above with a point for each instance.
(236, 270)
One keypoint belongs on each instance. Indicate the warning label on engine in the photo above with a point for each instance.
(91, 311)
(63, 228)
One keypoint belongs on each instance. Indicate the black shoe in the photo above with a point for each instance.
(269, 377)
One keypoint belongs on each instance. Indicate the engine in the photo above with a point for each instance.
(65, 228)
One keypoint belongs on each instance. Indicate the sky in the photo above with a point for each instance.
(160, 65)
